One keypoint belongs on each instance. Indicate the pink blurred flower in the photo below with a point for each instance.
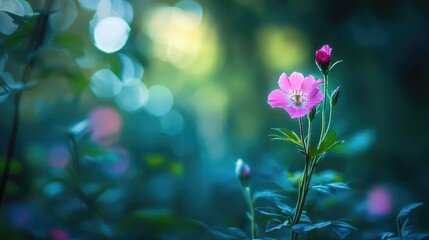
(106, 125)
(242, 171)
(297, 95)
(323, 57)
(379, 201)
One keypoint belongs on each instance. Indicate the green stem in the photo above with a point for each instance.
(38, 34)
(247, 195)
(330, 119)
(308, 136)
(304, 181)
(325, 89)
(11, 147)
(301, 132)
(302, 195)
(399, 227)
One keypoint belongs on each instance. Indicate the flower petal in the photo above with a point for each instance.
(327, 49)
(295, 80)
(307, 84)
(277, 98)
(315, 97)
(296, 112)
(317, 83)
(284, 83)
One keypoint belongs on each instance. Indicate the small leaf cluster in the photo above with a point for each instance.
(405, 231)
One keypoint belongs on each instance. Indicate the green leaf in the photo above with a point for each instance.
(327, 144)
(331, 188)
(387, 235)
(418, 236)
(407, 209)
(268, 194)
(275, 224)
(286, 135)
(270, 211)
(305, 227)
(329, 140)
(228, 233)
(341, 229)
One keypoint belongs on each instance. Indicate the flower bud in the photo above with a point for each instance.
(323, 58)
(242, 171)
(312, 114)
(335, 95)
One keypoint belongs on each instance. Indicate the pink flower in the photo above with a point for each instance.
(297, 95)
(242, 170)
(323, 57)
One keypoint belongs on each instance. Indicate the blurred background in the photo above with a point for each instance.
(139, 110)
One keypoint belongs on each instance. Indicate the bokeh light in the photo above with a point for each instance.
(116, 161)
(172, 123)
(111, 34)
(90, 5)
(20, 215)
(160, 101)
(59, 234)
(187, 14)
(283, 47)
(133, 95)
(54, 188)
(379, 201)
(131, 68)
(59, 157)
(105, 124)
(104, 83)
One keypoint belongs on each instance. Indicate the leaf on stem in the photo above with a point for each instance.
(387, 235)
(341, 229)
(267, 210)
(327, 144)
(228, 233)
(286, 135)
(332, 66)
(407, 209)
(275, 224)
(417, 236)
(331, 188)
(269, 194)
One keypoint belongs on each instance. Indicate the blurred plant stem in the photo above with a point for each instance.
(248, 196)
(89, 202)
(37, 39)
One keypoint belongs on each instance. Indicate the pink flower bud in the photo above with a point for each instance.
(323, 58)
(242, 171)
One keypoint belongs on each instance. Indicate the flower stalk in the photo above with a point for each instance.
(37, 39)
(300, 96)
(242, 171)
